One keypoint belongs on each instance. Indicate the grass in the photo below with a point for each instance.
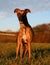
(40, 54)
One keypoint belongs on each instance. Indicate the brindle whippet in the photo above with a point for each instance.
(25, 34)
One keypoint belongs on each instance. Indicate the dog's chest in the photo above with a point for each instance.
(23, 34)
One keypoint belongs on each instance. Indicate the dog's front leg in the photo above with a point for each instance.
(18, 46)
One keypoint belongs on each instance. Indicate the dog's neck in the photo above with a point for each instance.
(22, 25)
(23, 22)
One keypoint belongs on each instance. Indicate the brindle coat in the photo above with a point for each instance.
(25, 33)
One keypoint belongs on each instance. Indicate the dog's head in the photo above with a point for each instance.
(21, 13)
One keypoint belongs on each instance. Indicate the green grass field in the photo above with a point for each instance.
(40, 53)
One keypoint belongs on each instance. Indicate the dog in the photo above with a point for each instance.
(25, 34)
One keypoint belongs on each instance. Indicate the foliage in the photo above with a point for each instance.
(42, 33)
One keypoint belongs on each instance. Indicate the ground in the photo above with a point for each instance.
(40, 54)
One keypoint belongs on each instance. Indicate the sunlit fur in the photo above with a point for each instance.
(25, 33)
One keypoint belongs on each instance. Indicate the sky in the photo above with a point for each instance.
(40, 13)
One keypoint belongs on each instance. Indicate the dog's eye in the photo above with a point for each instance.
(18, 13)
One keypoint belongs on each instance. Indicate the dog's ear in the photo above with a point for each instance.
(16, 10)
(27, 10)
